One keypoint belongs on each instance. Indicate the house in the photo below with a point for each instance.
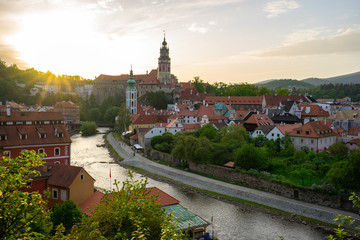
(312, 112)
(287, 128)
(237, 102)
(273, 101)
(43, 132)
(69, 183)
(175, 126)
(147, 121)
(70, 110)
(256, 120)
(191, 127)
(353, 144)
(314, 136)
(262, 130)
(145, 136)
(346, 119)
(354, 132)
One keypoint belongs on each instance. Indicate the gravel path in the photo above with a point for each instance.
(313, 211)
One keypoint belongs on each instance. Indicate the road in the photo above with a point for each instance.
(309, 210)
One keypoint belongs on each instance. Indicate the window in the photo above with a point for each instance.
(42, 135)
(23, 136)
(272, 134)
(57, 151)
(7, 153)
(82, 177)
(63, 195)
(41, 151)
(55, 193)
(3, 137)
(312, 141)
(301, 140)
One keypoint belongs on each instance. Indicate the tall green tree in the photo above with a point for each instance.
(67, 214)
(88, 129)
(21, 214)
(250, 157)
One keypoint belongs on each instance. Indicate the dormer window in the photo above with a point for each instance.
(3, 137)
(23, 136)
(307, 132)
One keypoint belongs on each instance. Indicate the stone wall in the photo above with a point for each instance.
(256, 182)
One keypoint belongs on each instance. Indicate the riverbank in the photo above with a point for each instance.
(288, 208)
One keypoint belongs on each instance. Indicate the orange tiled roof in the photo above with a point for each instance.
(191, 126)
(32, 116)
(287, 128)
(33, 138)
(259, 120)
(313, 130)
(354, 131)
(253, 100)
(149, 119)
(274, 101)
(315, 110)
(89, 204)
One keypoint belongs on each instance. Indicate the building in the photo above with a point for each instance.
(314, 136)
(43, 132)
(69, 183)
(257, 120)
(237, 102)
(131, 95)
(70, 110)
(312, 112)
(159, 79)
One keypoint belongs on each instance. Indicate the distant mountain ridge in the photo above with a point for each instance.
(353, 78)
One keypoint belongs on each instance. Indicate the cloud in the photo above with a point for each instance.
(346, 42)
(195, 28)
(278, 7)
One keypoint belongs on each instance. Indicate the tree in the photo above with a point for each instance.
(88, 129)
(158, 100)
(123, 120)
(250, 157)
(199, 84)
(67, 214)
(111, 113)
(338, 148)
(94, 114)
(234, 136)
(208, 131)
(21, 213)
(282, 91)
(301, 173)
(129, 212)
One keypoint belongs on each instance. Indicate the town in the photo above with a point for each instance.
(282, 134)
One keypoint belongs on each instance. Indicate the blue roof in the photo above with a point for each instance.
(220, 106)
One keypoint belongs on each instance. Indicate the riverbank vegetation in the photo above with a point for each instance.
(88, 129)
(336, 170)
(127, 212)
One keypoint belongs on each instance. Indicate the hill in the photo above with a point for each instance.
(284, 83)
(353, 78)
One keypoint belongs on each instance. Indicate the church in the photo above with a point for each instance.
(159, 79)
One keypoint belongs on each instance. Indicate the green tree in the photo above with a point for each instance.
(21, 214)
(199, 84)
(111, 113)
(208, 131)
(88, 129)
(67, 214)
(234, 136)
(123, 120)
(282, 91)
(158, 100)
(94, 114)
(338, 148)
(250, 157)
(301, 173)
(129, 212)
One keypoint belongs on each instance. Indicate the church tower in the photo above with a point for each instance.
(131, 94)
(164, 74)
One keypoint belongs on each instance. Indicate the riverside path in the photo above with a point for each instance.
(309, 210)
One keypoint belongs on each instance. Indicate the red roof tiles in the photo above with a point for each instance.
(313, 130)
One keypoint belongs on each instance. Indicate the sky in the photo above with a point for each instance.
(231, 41)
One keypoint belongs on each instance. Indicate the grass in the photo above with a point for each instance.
(113, 150)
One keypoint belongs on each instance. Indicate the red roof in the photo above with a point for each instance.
(354, 131)
(149, 119)
(274, 101)
(287, 128)
(33, 137)
(32, 116)
(191, 126)
(246, 100)
(312, 110)
(230, 164)
(63, 175)
(89, 204)
(164, 199)
(313, 130)
(259, 120)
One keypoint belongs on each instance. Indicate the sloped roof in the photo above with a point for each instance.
(354, 131)
(64, 104)
(191, 126)
(313, 130)
(265, 128)
(275, 100)
(259, 119)
(355, 140)
(149, 119)
(190, 94)
(163, 198)
(32, 116)
(230, 164)
(33, 138)
(287, 105)
(89, 204)
(287, 128)
(238, 100)
(346, 115)
(62, 175)
(312, 110)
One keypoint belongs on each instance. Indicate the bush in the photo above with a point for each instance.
(249, 156)
(88, 129)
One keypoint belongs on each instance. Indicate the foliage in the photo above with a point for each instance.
(248, 156)
(111, 113)
(128, 212)
(67, 214)
(88, 129)
(208, 131)
(123, 120)
(234, 136)
(94, 114)
(338, 148)
(199, 84)
(164, 143)
(21, 213)
(158, 100)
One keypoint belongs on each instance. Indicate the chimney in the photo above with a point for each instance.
(8, 111)
(191, 91)
(228, 97)
(203, 101)
(207, 105)
(147, 72)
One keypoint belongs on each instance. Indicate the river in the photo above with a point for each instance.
(230, 221)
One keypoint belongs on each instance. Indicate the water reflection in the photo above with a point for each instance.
(230, 221)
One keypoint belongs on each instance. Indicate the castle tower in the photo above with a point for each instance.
(164, 74)
(131, 94)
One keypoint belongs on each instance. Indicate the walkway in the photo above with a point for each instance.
(309, 210)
